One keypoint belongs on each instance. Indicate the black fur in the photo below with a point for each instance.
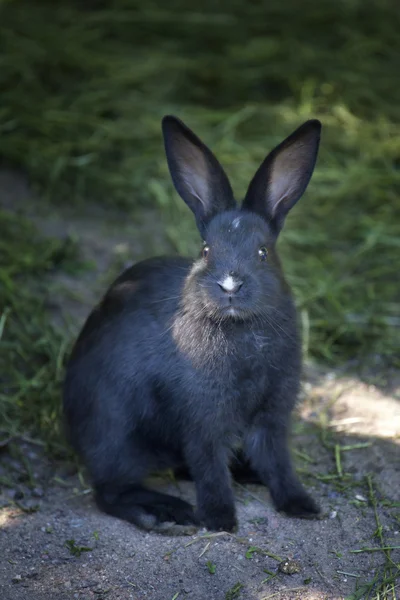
(184, 361)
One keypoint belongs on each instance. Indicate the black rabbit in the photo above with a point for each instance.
(186, 360)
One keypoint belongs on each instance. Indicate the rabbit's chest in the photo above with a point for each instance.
(245, 376)
(234, 382)
(225, 378)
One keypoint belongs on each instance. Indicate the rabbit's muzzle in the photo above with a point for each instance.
(230, 284)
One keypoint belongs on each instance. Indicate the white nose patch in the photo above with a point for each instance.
(236, 223)
(229, 284)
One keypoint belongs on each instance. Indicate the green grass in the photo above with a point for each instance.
(85, 85)
(384, 583)
(32, 350)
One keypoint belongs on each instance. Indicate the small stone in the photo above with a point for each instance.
(37, 492)
(361, 498)
(333, 494)
(289, 567)
(15, 493)
(17, 579)
(87, 584)
(30, 505)
(333, 514)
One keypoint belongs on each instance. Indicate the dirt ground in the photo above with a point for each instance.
(55, 544)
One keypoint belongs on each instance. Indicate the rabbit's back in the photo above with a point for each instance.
(124, 333)
(120, 352)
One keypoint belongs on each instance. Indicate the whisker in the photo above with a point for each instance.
(165, 299)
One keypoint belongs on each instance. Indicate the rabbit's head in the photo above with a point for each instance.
(238, 275)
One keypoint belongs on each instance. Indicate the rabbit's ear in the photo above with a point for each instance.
(284, 175)
(197, 175)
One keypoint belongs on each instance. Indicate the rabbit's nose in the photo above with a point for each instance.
(230, 284)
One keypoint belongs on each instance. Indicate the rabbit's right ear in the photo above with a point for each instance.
(197, 175)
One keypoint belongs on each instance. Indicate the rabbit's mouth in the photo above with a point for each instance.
(222, 306)
(233, 312)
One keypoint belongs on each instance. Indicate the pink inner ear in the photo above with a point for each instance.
(286, 177)
(194, 172)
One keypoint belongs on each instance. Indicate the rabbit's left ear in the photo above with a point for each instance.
(284, 175)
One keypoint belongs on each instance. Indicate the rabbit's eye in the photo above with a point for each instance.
(263, 253)
(205, 251)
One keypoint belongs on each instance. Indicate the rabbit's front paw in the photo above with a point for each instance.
(300, 505)
(220, 519)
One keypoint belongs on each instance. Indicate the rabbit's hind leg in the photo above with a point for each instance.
(147, 509)
(123, 495)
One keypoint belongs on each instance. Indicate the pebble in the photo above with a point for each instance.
(361, 498)
(31, 504)
(15, 494)
(289, 567)
(32, 575)
(37, 492)
(333, 494)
